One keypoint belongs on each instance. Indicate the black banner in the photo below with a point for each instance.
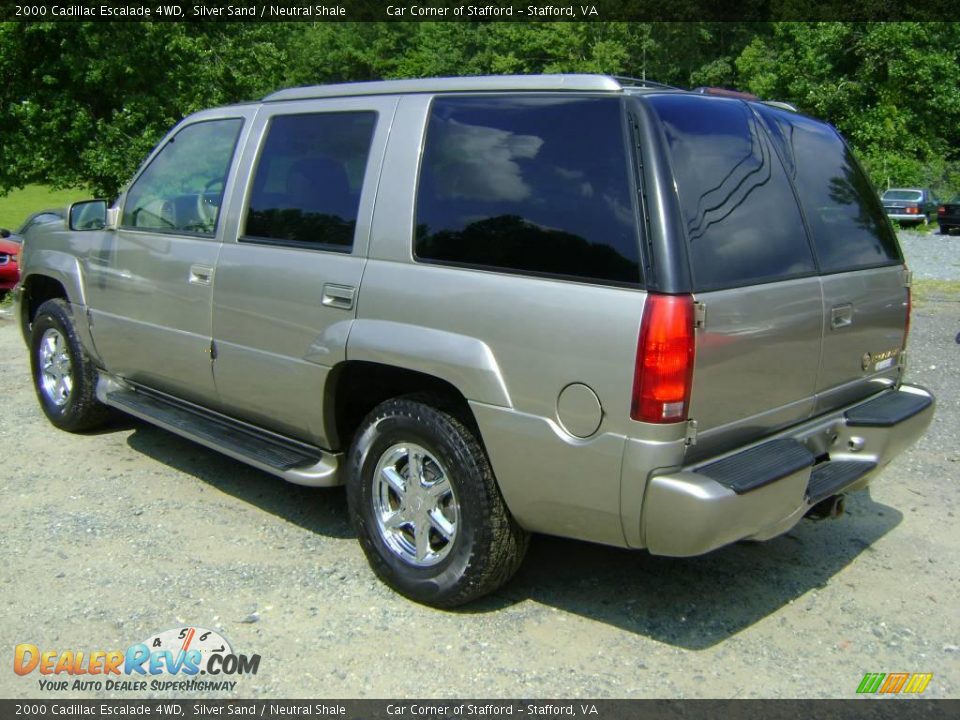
(859, 709)
(479, 11)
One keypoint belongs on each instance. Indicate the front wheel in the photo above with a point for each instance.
(63, 375)
(426, 506)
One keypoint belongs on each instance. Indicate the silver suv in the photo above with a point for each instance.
(493, 306)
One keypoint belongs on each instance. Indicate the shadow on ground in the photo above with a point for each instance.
(693, 603)
(319, 510)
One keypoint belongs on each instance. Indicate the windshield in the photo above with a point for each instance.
(902, 195)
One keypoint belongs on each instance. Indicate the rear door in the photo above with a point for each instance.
(758, 353)
(289, 270)
(863, 276)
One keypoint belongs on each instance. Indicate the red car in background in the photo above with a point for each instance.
(9, 269)
(10, 245)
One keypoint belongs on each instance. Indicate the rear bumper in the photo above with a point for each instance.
(762, 491)
(904, 217)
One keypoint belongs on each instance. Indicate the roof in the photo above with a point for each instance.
(480, 83)
(494, 83)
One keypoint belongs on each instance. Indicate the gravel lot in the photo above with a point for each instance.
(112, 537)
(932, 256)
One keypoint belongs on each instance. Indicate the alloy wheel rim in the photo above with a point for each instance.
(415, 507)
(56, 368)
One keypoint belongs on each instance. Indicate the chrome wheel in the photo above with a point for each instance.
(415, 508)
(56, 367)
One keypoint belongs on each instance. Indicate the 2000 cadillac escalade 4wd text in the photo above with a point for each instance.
(494, 306)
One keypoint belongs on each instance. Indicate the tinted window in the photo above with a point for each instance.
(306, 189)
(742, 221)
(903, 195)
(528, 184)
(181, 189)
(845, 217)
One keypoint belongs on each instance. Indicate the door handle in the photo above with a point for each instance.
(841, 316)
(339, 296)
(200, 274)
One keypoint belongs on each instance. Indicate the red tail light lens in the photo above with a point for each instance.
(913, 211)
(664, 366)
(941, 210)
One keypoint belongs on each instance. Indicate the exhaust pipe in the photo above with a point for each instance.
(832, 507)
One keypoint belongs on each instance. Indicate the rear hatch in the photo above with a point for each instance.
(775, 277)
(758, 352)
(865, 294)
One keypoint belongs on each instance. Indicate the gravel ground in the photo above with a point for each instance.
(931, 256)
(112, 537)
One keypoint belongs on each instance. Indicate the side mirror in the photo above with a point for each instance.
(88, 215)
(4, 233)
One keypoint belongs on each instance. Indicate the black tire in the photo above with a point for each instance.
(487, 546)
(78, 408)
(944, 229)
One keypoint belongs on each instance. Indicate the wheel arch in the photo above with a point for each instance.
(355, 387)
(36, 289)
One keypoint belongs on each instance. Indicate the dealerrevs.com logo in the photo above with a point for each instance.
(171, 660)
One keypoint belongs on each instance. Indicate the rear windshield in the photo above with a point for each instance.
(742, 222)
(902, 195)
(845, 217)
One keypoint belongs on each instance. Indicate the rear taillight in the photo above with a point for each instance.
(941, 210)
(913, 211)
(664, 366)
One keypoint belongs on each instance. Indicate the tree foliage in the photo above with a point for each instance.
(84, 102)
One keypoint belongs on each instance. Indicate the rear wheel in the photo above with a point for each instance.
(944, 229)
(426, 506)
(63, 375)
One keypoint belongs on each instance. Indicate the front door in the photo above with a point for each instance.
(150, 282)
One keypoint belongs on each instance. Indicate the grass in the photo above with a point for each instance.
(918, 228)
(925, 291)
(18, 205)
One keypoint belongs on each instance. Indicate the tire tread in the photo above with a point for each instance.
(500, 543)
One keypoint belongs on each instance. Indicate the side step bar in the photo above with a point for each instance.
(293, 461)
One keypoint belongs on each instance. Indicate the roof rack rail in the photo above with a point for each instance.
(781, 104)
(639, 82)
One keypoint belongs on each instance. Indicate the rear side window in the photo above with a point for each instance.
(528, 184)
(742, 222)
(846, 219)
(306, 189)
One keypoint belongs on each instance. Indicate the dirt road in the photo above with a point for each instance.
(111, 538)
